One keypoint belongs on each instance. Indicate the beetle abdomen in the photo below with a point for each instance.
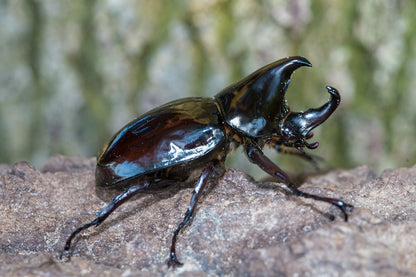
(178, 132)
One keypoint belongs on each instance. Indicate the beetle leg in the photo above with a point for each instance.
(313, 159)
(200, 185)
(256, 156)
(103, 214)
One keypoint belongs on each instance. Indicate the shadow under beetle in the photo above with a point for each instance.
(168, 144)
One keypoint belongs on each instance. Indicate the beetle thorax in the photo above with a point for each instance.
(251, 105)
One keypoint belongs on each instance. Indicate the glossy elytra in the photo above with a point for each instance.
(168, 144)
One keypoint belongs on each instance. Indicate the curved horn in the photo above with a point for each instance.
(300, 124)
(251, 104)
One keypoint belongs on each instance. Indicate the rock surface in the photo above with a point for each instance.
(241, 227)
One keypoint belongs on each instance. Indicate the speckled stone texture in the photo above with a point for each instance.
(241, 227)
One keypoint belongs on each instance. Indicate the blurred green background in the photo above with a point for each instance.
(74, 72)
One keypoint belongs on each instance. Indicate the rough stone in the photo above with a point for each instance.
(241, 227)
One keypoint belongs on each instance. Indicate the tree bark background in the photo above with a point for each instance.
(74, 72)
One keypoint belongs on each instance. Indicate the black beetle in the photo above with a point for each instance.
(167, 144)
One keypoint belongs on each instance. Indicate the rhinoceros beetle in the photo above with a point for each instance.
(167, 144)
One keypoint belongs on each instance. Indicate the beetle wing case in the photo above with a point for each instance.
(179, 132)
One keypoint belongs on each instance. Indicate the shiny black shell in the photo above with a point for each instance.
(255, 105)
(178, 133)
(191, 136)
(171, 141)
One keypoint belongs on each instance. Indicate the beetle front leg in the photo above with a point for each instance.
(103, 214)
(313, 159)
(257, 156)
(200, 185)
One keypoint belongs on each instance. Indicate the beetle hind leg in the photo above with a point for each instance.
(200, 185)
(103, 214)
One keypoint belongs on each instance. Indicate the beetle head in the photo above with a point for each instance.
(296, 127)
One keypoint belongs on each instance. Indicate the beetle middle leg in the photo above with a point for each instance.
(200, 185)
(257, 156)
(104, 213)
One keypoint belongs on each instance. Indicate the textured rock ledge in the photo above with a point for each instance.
(241, 227)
